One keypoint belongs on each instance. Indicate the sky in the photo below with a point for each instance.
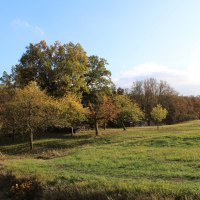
(139, 38)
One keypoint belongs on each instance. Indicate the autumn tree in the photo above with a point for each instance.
(158, 114)
(71, 112)
(8, 113)
(196, 105)
(56, 68)
(10, 119)
(35, 109)
(105, 111)
(127, 110)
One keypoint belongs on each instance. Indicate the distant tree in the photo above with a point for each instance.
(57, 68)
(7, 84)
(196, 105)
(127, 110)
(120, 91)
(150, 92)
(158, 114)
(7, 79)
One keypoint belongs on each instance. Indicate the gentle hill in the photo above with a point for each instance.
(140, 163)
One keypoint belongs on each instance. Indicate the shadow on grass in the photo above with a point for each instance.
(50, 141)
(8, 140)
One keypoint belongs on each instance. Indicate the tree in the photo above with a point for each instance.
(71, 112)
(98, 80)
(10, 119)
(35, 109)
(120, 91)
(158, 114)
(127, 110)
(8, 112)
(7, 79)
(105, 110)
(56, 68)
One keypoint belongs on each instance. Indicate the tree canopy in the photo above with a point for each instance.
(56, 68)
(158, 114)
(127, 110)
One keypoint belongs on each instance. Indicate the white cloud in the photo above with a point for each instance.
(185, 80)
(19, 23)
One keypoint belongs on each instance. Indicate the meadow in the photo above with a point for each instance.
(140, 163)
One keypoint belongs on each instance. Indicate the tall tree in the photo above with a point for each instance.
(56, 68)
(99, 84)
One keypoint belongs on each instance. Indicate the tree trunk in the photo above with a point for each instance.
(29, 127)
(31, 139)
(96, 128)
(157, 126)
(13, 134)
(23, 134)
(104, 124)
(72, 131)
(124, 128)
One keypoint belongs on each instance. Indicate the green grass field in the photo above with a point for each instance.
(140, 163)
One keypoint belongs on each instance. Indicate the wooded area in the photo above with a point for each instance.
(60, 86)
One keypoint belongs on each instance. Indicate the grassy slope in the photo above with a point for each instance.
(140, 160)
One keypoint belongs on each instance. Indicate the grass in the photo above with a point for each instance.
(140, 163)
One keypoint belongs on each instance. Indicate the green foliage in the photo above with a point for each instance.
(57, 68)
(7, 79)
(98, 78)
(127, 110)
(99, 84)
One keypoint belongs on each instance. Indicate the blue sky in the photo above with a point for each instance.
(139, 38)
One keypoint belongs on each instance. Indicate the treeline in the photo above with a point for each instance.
(61, 86)
(150, 92)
